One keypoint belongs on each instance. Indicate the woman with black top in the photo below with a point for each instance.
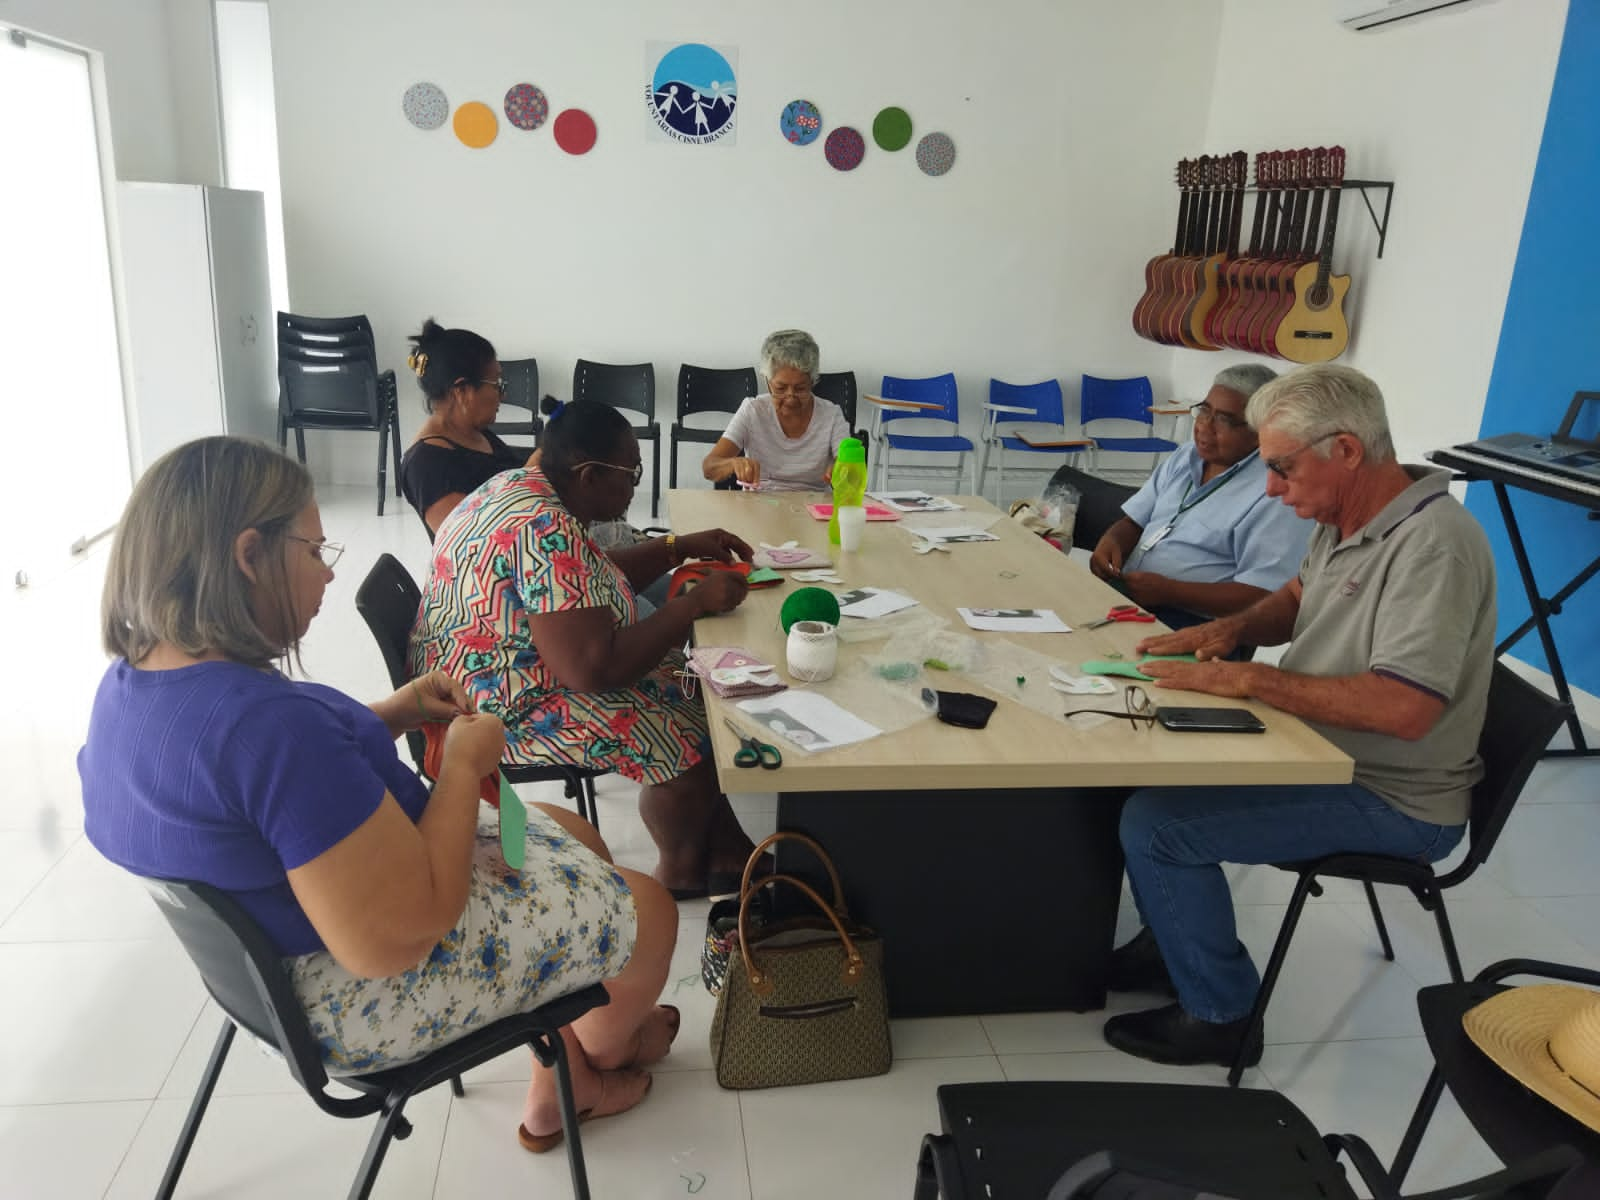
(454, 452)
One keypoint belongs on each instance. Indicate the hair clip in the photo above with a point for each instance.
(417, 360)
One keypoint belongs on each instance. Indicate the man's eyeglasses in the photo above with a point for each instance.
(1136, 705)
(325, 552)
(1280, 466)
(1204, 412)
(636, 471)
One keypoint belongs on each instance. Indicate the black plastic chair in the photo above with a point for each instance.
(632, 389)
(1099, 504)
(1513, 1121)
(1519, 723)
(705, 390)
(245, 975)
(387, 600)
(328, 378)
(1124, 1141)
(839, 387)
(521, 376)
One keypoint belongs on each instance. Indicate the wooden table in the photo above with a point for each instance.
(987, 858)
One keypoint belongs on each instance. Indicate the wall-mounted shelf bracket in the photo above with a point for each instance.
(1380, 223)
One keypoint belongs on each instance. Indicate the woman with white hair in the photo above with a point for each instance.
(785, 439)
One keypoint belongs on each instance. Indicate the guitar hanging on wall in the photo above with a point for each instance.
(1314, 329)
(1280, 298)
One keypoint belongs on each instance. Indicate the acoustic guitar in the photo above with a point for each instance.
(1275, 275)
(1222, 246)
(1183, 272)
(1231, 287)
(1154, 270)
(1252, 272)
(1314, 329)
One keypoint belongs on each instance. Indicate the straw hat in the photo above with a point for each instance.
(1547, 1037)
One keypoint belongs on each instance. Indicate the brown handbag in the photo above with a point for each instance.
(804, 1001)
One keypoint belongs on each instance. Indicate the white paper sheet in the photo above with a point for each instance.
(808, 720)
(872, 602)
(914, 501)
(1014, 620)
(946, 534)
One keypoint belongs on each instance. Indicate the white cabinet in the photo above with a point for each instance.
(201, 326)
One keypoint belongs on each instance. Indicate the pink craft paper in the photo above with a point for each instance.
(875, 512)
(788, 558)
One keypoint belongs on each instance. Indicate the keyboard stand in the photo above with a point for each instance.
(1499, 476)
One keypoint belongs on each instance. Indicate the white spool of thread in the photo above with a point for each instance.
(813, 650)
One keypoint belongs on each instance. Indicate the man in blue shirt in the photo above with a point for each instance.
(1202, 538)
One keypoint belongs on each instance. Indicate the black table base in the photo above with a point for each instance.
(1001, 901)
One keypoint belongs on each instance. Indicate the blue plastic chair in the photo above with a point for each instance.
(1014, 404)
(1121, 400)
(940, 390)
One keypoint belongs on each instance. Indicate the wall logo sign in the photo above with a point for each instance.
(693, 92)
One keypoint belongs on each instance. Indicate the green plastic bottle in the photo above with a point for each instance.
(849, 482)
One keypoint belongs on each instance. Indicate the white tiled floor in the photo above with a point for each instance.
(104, 1027)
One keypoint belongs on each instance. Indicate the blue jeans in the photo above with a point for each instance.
(1176, 838)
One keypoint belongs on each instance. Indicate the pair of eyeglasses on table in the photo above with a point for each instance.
(1136, 708)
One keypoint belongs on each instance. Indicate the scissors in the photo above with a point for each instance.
(1122, 612)
(752, 751)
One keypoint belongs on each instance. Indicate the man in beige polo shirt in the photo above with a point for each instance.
(1390, 625)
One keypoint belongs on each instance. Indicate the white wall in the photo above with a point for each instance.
(1451, 108)
(1023, 262)
(160, 78)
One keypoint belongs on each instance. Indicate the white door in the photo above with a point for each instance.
(64, 473)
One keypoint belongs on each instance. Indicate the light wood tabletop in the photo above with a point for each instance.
(1021, 747)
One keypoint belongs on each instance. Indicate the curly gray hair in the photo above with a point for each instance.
(790, 348)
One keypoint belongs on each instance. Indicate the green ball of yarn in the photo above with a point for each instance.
(809, 604)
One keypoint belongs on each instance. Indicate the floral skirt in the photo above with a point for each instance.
(565, 921)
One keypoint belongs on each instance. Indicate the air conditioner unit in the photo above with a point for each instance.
(1366, 15)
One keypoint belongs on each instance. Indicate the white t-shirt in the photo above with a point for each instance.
(788, 464)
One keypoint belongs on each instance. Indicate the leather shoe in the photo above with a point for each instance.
(1170, 1035)
(1137, 966)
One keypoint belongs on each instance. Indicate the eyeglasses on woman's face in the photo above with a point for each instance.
(1204, 413)
(325, 552)
(1281, 465)
(636, 471)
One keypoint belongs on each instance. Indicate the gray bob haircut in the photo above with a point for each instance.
(793, 348)
(1244, 378)
(1320, 400)
(172, 576)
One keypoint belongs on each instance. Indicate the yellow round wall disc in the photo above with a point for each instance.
(475, 124)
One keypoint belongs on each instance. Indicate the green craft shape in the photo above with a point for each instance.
(1106, 667)
(513, 827)
(891, 128)
(809, 604)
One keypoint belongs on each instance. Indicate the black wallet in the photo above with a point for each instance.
(962, 708)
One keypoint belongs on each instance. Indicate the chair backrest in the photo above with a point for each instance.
(713, 389)
(522, 391)
(1119, 399)
(387, 600)
(840, 387)
(1099, 503)
(631, 388)
(242, 970)
(327, 366)
(1044, 398)
(937, 389)
(1518, 724)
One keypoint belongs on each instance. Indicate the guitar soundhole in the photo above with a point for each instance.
(1318, 296)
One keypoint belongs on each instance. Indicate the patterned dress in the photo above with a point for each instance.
(510, 549)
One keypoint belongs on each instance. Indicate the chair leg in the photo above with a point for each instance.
(456, 1086)
(1412, 1141)
(655, 476)
(551, 1051)
(383, 462)
(197, 1110)
(391, 1124)
(1280, 951)
(394, 440)
(300, 443)
(594, 807)
(672, 466)
(1447, 937)
(1377, 919)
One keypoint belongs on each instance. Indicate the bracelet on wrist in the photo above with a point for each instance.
(672, 549)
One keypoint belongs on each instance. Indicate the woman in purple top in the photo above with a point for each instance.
(403, 926)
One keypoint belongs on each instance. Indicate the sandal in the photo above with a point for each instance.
(658, 1048)
(609, 1105)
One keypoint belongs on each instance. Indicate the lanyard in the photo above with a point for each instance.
(1209, 490)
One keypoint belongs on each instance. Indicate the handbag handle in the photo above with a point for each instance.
(816, 849)
(760, 983)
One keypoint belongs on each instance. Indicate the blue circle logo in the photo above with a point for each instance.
(693, 95)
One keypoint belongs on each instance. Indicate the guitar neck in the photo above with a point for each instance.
(1241, 165)
(1335, 187)
(1261, 206)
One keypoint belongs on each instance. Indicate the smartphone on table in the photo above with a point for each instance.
(1209, 720)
